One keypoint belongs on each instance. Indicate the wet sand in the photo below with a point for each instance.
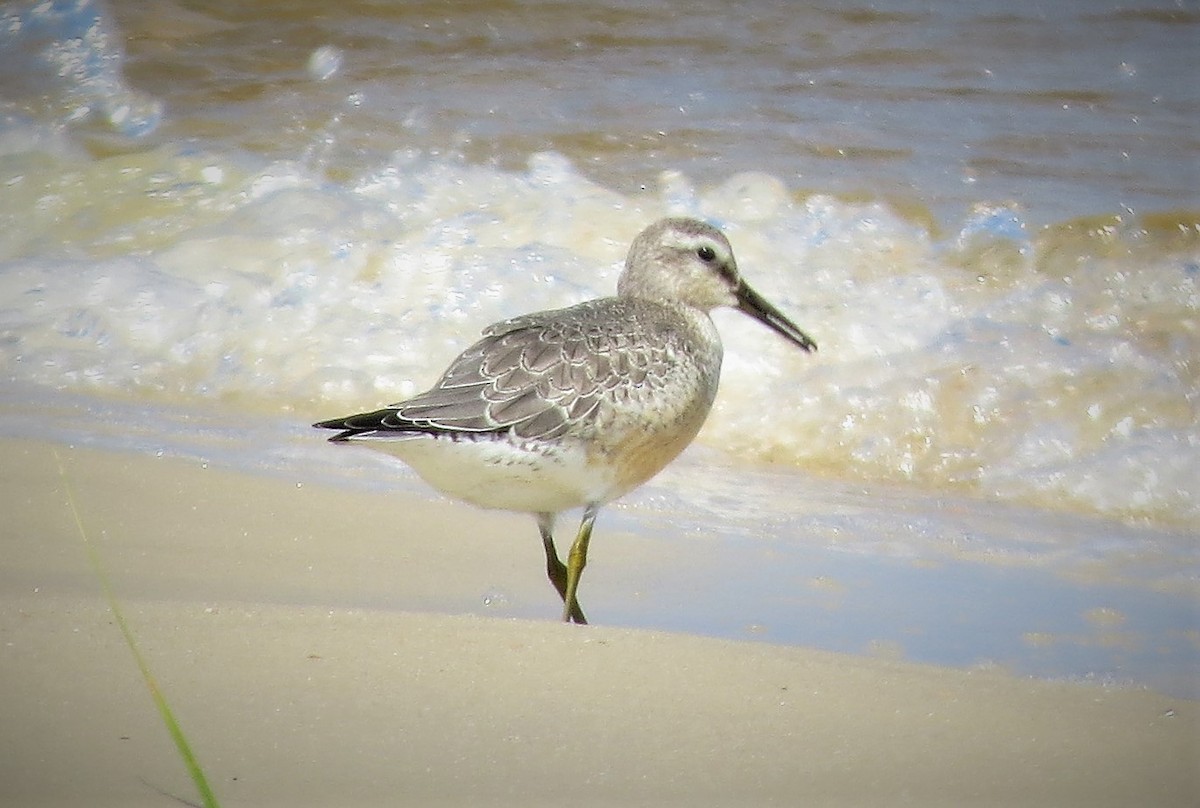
(263, 607)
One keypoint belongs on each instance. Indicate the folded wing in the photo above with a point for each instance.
(532, 375)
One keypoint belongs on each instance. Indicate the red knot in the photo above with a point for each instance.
(575, 407)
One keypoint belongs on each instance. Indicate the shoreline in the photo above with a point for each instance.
(262, 607)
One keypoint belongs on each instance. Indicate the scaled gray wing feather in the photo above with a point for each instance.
(533, 375)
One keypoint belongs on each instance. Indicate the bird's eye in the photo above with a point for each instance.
(706, 253)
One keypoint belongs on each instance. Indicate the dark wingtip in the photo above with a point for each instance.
(339, 423)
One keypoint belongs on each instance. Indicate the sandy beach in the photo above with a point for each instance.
(261, 606)
(951, 559)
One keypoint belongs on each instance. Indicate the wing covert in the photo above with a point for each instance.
(534, 375)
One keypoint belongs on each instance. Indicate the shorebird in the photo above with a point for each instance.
(576, 407)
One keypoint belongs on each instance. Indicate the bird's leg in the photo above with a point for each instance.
(556, 571)
(577, 560)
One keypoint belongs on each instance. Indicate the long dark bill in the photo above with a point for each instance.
(752, 303)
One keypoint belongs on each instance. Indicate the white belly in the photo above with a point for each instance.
(495, 473)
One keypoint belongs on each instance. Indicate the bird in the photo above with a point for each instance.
(575, 407)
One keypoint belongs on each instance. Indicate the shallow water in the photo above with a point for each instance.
(988, 221)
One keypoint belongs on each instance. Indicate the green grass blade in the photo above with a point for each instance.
(207, 797)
